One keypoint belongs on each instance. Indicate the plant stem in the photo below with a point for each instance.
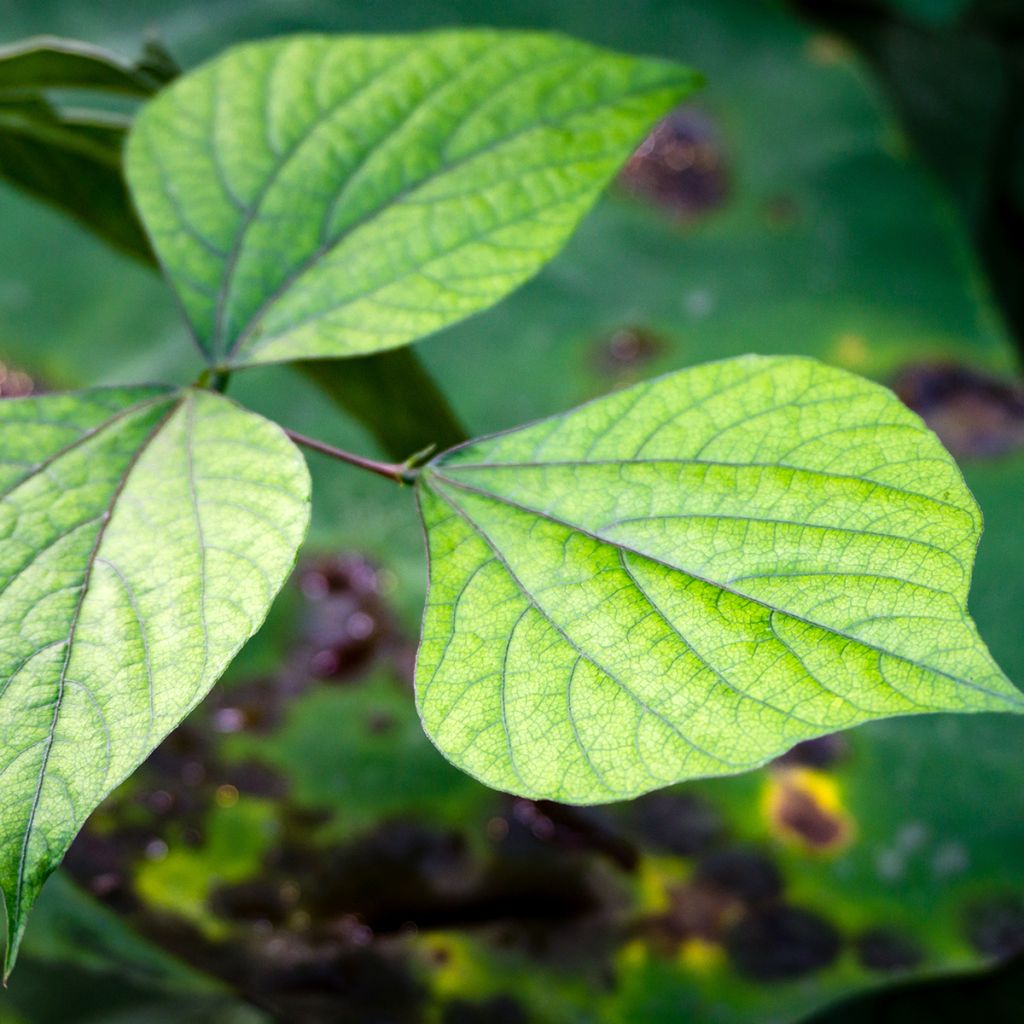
(213, 380)
(392, 395)
(399, 472)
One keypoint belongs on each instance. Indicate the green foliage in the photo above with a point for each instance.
(145, 535)
(50, 63)
(688, 577)
(68, 152)
(320, 196)
(679, 580)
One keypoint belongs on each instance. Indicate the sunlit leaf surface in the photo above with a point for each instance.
(687, 577)
(328, 196)
(145, 534)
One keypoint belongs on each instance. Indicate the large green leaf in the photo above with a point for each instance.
(145, 534)
(689, 576)
(322, 196)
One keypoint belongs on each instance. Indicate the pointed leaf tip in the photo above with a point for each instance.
(689, 576)
(327, 196)
(146, 533)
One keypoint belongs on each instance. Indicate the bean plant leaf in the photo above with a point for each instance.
(66, 150)
(49, 62)
(324, 196)
(145, 534)
(689, 576)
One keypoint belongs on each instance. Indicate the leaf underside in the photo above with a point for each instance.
(50, 62)
(145, 533)
(64, 149)
(689, 576)
(319, 196)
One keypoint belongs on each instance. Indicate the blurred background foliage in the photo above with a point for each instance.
(850, 185)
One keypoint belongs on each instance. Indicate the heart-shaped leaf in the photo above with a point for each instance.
(687, 577)
(145, 533)
(322, 196)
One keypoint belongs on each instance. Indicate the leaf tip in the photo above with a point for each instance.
(13, 933)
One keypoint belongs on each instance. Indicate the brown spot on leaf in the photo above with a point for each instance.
(680, 165)
(745, 874)
(822, 752)
(881, 949)
(975, 415)
(781, 943)
(626, 351)
(678, 823)
(995, 926)
(803, 806)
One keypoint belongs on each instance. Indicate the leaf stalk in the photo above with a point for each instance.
(400, 472)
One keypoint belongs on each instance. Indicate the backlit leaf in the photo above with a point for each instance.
(321, 196)
(687, 577)
(145, 533)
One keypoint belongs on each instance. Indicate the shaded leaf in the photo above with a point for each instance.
(321, 196)
(145, 534)
(70, 155)
(393, 395)
(49, 62)
(689, 576)
(72, 161)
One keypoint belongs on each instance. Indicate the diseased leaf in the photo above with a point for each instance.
(688, 576)
(320, 196)
(145, 533)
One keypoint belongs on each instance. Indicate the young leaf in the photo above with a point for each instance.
(687, 577)
(145, 534)
(321, 196)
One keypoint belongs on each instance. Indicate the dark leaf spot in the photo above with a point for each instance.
(975, 415)
(677, 823)
(822, 752)
(996, 927)
(781, 943)
(626, 350)
(883, 950)
(747, 875)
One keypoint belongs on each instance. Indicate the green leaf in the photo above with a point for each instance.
(69, 155)
(322, 196)
(72, 161)
(687, 577)
(145, 534)
(48, 62)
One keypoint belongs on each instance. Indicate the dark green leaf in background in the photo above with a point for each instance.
(67, 150)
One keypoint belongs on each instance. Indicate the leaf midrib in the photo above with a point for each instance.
(173, 406)
(712, 463)
(245, 333)
(533, 603)
(1014, 702)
